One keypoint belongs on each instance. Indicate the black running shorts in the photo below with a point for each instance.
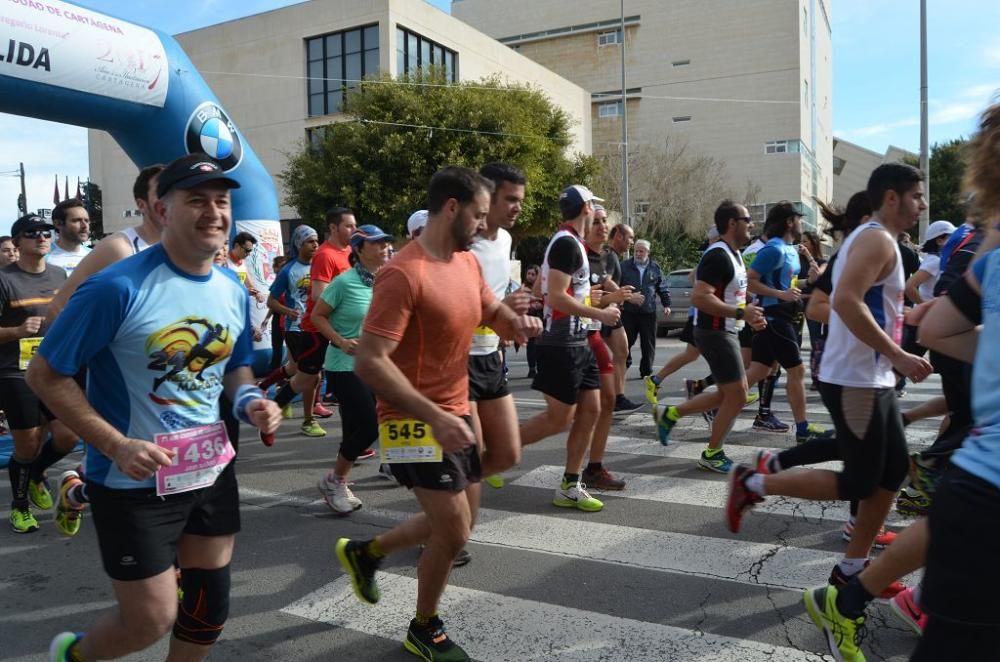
(746, 336)
(777, 343)
(308, 349)
(23, 408)
(487, 380)
(138, 532)
(565, 371)
(454, 473)
(687, 333)
(721, 350)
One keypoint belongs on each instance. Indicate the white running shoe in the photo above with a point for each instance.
(338, 496)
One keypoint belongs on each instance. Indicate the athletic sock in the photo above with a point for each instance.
(851, 567)
(374, 549)
(19, 472)
(423, 620)
(285, 396)
(46, 458)
(571, 479)
(755, 483)
(766, 389)
(594, 467)
(656, 379)
(853, 598)
(802, 428)
(77, 496)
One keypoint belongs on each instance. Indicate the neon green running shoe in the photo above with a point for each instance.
(286, 411)
(495, 481)
(360, 566)
(575, 495)
(23, 521)
(843, 635)
(68, 516)
(39, 494)
(752, 398)
(61, 643)
(652, 389)
(431, 643)
(311, 428)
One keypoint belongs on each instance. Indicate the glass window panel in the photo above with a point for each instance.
(315, 47)
(333, 45)
(316, 105)
(400, 39)
(334, 100)
(425, 52)
(352, 41)
(334, 71)
(353, 72)
(400, 61)
(451, 70)
(411, 51)
(371, 62)
(371, 37)
(315, 77)
(438, 55)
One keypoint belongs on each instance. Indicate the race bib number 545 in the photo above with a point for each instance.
(406, 440)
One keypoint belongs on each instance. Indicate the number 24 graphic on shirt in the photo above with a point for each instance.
(184, 350)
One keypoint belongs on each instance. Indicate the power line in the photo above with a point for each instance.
(375, 81)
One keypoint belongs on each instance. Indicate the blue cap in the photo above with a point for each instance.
(369, 233)
(574, 196)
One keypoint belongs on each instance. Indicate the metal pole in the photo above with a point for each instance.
(24, 195)
(626, 210)
(924, 150)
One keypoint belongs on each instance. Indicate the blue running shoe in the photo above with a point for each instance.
(769, 423)
(663, 423)
(814, 432)
(718, 463)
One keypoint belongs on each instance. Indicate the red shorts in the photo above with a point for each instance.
(600, 349)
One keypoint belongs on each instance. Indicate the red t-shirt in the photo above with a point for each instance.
(328, 263)
(430, 307)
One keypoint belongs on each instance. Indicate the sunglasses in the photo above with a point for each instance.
(37, 234)
(745, 219)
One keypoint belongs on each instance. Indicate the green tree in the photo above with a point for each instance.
(405, 130)
(947, 171)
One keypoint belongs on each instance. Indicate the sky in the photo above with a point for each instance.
(876, 85)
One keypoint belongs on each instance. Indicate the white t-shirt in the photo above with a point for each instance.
(932, 265)
(494, 260)
(66, 259)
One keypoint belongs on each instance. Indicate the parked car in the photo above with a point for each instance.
(680, 297)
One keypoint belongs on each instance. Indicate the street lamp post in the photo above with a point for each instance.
(924, 150)
(626, 210)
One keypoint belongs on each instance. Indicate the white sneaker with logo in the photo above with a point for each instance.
(338, 495)
(575, 495)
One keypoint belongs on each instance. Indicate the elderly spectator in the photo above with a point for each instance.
(648, 279)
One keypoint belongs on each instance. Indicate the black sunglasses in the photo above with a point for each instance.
(745, 219)
(35, 234)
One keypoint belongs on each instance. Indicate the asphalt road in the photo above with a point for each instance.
(654, 576)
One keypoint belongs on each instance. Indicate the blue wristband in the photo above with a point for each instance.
(245, 394)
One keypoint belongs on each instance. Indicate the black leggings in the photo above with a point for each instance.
(357, 413)
(277, 343)
(813, 452)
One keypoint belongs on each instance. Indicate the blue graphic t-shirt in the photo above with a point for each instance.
(157, 343)
(293, 282)
(980, 454)
(778, 264)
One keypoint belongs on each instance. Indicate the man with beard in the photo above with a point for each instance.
(72, 222)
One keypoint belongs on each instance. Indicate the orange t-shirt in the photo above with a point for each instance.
(431, 307)
(328, 263)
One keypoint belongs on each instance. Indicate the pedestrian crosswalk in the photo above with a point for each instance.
(755, 579)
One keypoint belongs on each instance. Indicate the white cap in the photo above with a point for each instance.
(713, 233)
(417, 220)
(939, 229)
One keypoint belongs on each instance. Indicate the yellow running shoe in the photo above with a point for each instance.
(39, 494)
(652, 389)
(495, 481)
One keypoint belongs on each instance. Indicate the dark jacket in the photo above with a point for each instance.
(654, 283)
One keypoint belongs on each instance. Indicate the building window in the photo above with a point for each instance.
(414, 51)
(609, 109)
(336, 63)
(838, 165)
(681, 118)
(782, 146)
(315, 137)
(642, 208)
(609, 38)
(681, 63)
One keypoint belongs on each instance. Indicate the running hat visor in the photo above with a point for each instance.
(190, 171)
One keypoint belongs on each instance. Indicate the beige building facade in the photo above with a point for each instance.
(277, 74)
(853, 164)
(747, 83)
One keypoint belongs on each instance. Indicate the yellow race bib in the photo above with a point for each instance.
(406, 440)
(28, 349)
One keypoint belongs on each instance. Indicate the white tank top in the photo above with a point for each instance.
(137, 243)
(735, 292)
(560, 328)
(850, 361)
(494, 260)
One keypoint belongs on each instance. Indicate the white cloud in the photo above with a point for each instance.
(991, 55)
(879, 129)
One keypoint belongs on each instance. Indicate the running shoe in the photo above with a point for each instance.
(495, 481)
(710, 415)
(769, 423)
(286, 411)
(431, 643)
(266, 438)
(61, 643)
(838, 578)
(68, 516)
(740, 499)
(22, 520)
(652, 389)
(718, 463)
(575, 495)
(752, 398)
(913, 503)
(765, 462)
(882, 539)
(693, 387)
(623, 404)
(40, 494)
(319, 411)
(663, 423)
(843, 635)
(360, 566)
(814, 432)
(338, 496)
(330, 400)
(531, 373)
(311, 428)
(366, 454)
(908, 611)
(602, 480)
(462, 558)
(385, 471)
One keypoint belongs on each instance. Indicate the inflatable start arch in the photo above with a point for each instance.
(65, 63)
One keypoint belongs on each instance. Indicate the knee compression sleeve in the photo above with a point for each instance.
(205, 607)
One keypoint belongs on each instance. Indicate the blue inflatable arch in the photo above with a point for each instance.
(65, 63)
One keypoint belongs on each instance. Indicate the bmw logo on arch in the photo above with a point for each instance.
(211, 132)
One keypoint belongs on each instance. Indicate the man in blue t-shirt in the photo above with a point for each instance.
(167, 333)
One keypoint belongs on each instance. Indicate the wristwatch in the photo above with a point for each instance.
(740, 312)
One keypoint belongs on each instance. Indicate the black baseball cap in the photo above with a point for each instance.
(30, 222)
(190, 171)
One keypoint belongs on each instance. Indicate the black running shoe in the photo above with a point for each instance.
(623, 404)
(431, 643)
(360, 566)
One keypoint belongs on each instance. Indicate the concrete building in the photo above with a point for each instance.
(259, 65)
(853, 164)
(747, 83)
